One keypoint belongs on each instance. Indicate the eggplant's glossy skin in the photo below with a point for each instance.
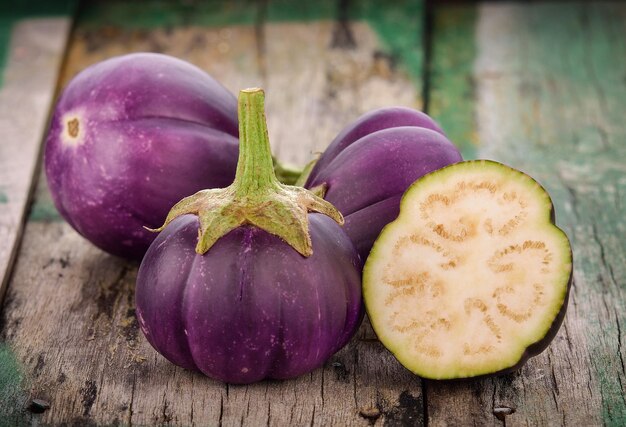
(251, 307)
(151, 129)
(372, 162)
(382, 118)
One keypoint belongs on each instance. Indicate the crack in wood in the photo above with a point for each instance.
(619, 351)
(132, 400)
(221, 411)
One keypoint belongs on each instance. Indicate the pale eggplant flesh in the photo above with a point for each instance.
(473, 276)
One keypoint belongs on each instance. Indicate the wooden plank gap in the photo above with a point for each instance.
(30, 77)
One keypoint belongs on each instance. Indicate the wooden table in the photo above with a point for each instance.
(539, 86)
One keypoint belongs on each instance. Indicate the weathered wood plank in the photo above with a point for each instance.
(88, 358)
(326, 86)
(550, 99)
(26, 90)
(451, 90)
(334, 71)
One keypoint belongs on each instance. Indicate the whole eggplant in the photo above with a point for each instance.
(270, 291)
(369, 165)
(129, 137)
(251, 307)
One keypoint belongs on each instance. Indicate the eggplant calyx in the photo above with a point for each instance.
(255, 197)
(320, 190)
(286, 173)
(306, 171)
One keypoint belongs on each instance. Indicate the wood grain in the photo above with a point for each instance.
(549, 99)
(69, 314)
(538, 86)
(29, 80)
(326, 87)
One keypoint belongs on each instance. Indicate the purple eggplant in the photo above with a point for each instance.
(370, 164)
(131, 136)
(271, 290)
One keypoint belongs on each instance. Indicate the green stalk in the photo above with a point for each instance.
(256, 197)
(255, 167)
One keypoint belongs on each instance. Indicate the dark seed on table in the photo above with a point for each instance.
(502, 412)
(38, 406)
(370, 412)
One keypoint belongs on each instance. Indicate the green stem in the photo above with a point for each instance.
(256, 197)
(255, 168)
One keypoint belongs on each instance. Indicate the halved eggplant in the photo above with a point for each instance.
(473, 276)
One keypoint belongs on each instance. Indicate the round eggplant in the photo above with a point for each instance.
(473, 276)
(131, 136)
(370, 164)
(271, 290)
(251, 307)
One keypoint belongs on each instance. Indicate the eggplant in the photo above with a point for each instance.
(131, 136)
(473, 276)
(273, 287)
(369, 165)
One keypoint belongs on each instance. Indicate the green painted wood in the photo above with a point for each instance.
(166, 13)
(451, 91)
(12, 385)
(398, 23)
(549, 98)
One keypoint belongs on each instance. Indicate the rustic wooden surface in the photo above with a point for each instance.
(546, 93)
(538, 86)
(26, 92)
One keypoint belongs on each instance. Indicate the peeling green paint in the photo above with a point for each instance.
(163, 13)
(398, 23)
(451, 79)
(400, 26)
(42, 208)
(13, 397)
(3, 198)
(43, 211)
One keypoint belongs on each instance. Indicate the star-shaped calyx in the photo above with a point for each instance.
(255, 197)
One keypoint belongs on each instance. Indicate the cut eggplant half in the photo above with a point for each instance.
(473, 276)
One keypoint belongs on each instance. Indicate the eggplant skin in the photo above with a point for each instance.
(149, 129)
(251, 307)
(372, 162)
(373, 121)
